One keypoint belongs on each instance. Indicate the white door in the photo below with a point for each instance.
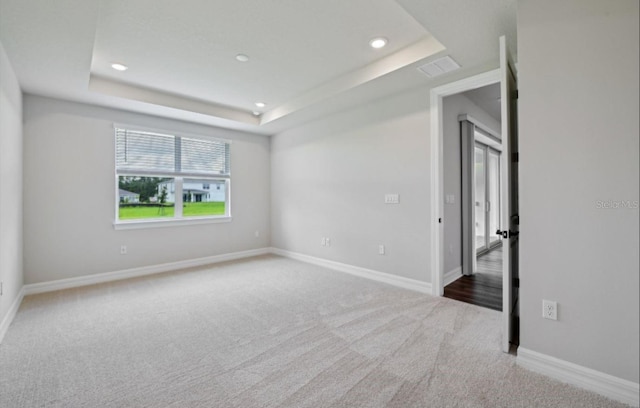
(510, 218)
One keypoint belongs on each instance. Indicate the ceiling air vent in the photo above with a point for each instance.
(439, 67)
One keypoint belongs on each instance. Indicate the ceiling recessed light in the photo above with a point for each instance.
(242, 57)
(256, 113)
(119, 67)
(261, 104)
(378, 42)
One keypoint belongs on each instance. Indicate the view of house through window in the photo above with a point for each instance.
(164, 177)
(198, 199)
(141, 197)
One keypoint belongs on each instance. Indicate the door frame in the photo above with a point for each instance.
(492, 150)
(501, 76)
(437, 172)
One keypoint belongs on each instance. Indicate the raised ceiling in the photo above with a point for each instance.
(306, 58)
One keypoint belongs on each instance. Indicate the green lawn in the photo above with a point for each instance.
(203, 209)
(189, 210)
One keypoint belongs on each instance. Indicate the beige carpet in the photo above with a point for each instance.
(263, 332)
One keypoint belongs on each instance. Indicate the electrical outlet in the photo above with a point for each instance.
(381, 249)
(328, 241)
(1, 288)
(123, 249)
(257, 234)
(549, 309)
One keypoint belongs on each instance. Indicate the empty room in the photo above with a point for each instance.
(297, 203)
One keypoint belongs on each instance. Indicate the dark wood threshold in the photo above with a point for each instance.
(478, 289)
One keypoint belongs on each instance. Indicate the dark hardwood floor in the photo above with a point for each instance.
(491, 262)
(483, 288)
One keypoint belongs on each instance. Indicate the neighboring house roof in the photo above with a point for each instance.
(125, 193)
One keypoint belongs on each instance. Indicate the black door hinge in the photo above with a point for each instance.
(515, 157)
(515, 94)
(439, 220)
(516, 282)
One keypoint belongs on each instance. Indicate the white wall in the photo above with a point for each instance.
(578, 73)
(329, 179)
(69, 153)
(10, 185)
(452, 107)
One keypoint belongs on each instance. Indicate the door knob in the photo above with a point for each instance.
(507, 234)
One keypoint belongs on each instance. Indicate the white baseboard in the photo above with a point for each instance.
(43, 287)
(399, 281)
(452, 276)
(613, 387)
(6, 322)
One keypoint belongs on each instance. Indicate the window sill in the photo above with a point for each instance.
(156, 223)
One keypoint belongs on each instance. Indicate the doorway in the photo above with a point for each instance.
(479, 281)
(507, 77)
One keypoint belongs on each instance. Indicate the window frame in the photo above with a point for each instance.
(178, 179)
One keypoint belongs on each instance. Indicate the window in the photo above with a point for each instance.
(165, 177)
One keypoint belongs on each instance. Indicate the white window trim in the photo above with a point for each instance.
(178, 204)
(178, 219)
(171, 222)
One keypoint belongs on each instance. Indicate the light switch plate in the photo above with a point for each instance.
(391, 199)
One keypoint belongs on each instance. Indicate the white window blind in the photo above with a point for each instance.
(151, 153)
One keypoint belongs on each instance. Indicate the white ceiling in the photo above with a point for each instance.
(487, 97)
(307, 58)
